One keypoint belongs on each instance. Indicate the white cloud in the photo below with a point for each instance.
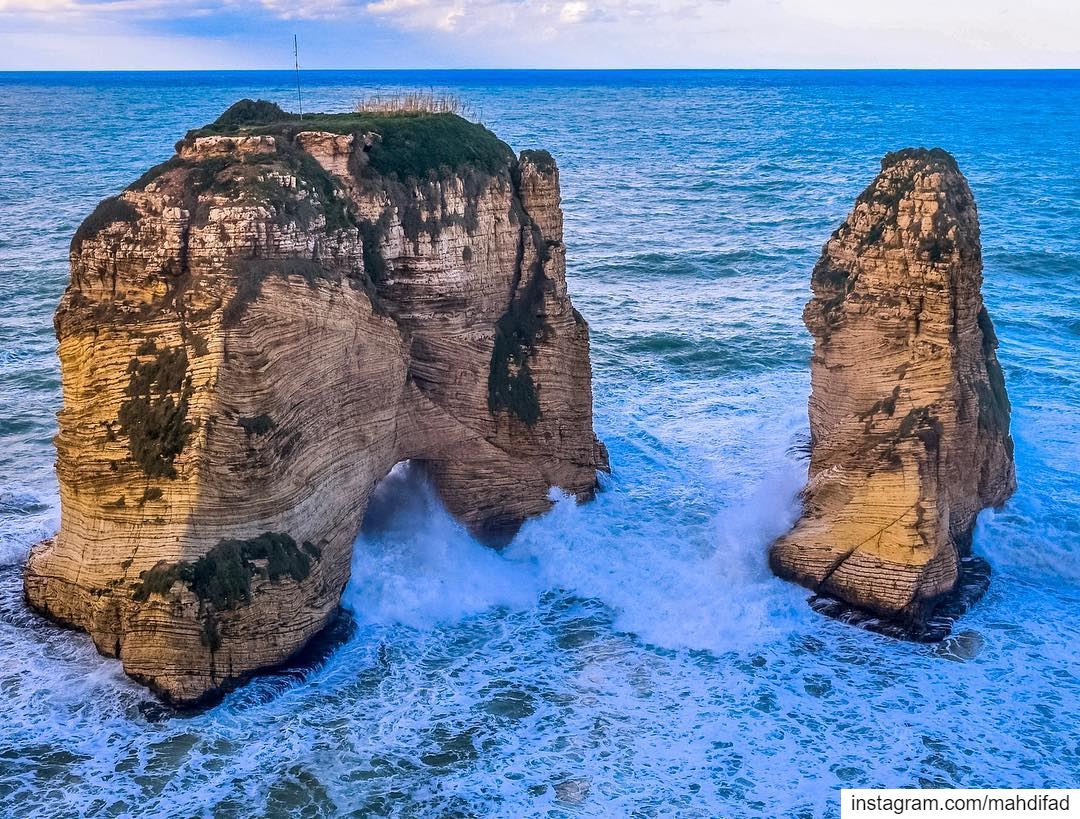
(126, 9)
(523, 17)
(441, 15)
(571, 33)
(573, 12)
(436, 15)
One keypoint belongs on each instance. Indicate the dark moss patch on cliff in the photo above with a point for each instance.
(196, 341)
(890, 190)
(202, 174)
(372, 235)
(511, 386)
(831, 286)
(155, 172)
(830, 277)
(335, 205)
(884, 406)
(924, 425)
(543, 160)
(936, 247)
(995, 409)
(286, 203)
(158, 580)
(932, 156)
(222, 577)
(154, 416)
(256, 425)
(412, 147)
(249, 112)
(885, 193)
(251, 273)
(421, 208)
(418, 209)
(476, 184)
(108, 212)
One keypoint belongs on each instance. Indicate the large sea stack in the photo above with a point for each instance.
(256, 331)
(909, 417)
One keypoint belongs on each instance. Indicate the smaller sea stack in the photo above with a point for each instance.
(909, 417)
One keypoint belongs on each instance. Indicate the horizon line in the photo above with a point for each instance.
(528, 69)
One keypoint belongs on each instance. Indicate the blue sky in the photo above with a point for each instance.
(182, 34)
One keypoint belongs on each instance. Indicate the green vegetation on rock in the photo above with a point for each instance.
(154, 416)
(935, 156)
(887, 192)
(994, 406)
(883, 406)
(410, 145)
(252, 179)
(924, 425)
(250, 274)
(408, 155)
(256, 425)
(372, 234)
(510, 381)
(110, 210)
(543, 160)
(247, 113)
(221, 579)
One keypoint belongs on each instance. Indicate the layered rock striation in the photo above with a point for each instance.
(255, 332)
(909, 417)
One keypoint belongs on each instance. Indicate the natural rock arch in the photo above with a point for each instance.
(255, 332)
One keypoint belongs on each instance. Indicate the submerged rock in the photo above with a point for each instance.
(255, 332)
(572, 791)
(909, 417)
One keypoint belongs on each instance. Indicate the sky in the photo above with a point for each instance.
(257, 34)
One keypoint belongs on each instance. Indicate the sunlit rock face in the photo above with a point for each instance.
(909, 417)
(255, 332)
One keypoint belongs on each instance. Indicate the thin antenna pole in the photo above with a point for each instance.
(296, 61)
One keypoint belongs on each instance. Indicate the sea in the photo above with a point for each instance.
(633, 656)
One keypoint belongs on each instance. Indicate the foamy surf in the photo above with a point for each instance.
(631, 656)
(415, 565)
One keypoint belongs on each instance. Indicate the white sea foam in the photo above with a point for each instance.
(631, 656)
(415, 565)
(674, 585)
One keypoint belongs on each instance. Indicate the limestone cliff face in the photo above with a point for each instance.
(909, 417)
(255, 332)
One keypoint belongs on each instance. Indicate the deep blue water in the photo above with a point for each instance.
(632, 656)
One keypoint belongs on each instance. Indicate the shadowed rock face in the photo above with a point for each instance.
(255, 332)
(909, 417)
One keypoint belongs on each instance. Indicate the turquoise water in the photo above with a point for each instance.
(632, 656)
